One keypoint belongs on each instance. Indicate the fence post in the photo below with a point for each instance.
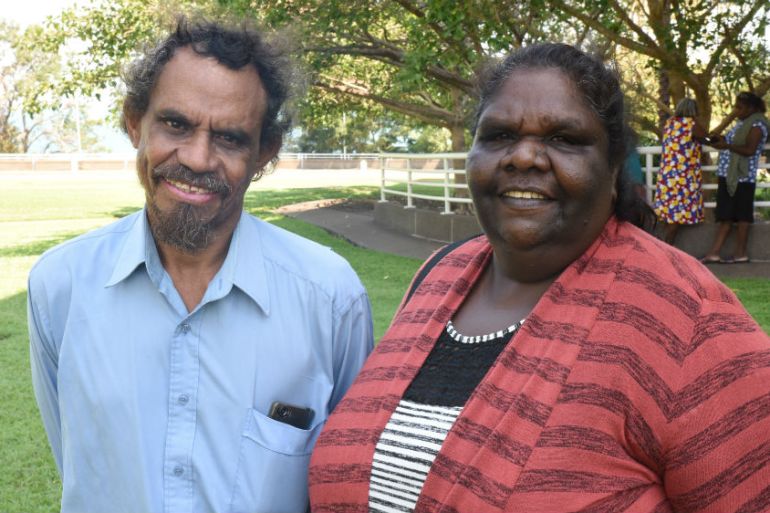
(648, 176)
(447, 208)
(382, 178)
(74, 163)
(409, 183)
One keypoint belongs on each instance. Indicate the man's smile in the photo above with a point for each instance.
(187, 192)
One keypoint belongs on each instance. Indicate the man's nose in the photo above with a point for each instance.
(526, 153)
(197, 153)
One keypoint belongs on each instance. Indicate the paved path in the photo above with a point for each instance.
(356, 224)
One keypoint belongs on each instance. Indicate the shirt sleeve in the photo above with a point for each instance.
(44, 362)
(353, 341)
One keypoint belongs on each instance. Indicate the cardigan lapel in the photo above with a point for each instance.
(482, 459)
(399, 355)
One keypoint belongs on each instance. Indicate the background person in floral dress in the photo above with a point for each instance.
(678, 195)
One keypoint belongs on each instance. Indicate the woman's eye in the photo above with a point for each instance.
(498, 136)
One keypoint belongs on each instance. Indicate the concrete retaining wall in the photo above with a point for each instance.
(423, 223)
(695, 240)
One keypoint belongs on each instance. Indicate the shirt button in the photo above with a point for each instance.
(178, 470)
(183, 399)
(185, 328)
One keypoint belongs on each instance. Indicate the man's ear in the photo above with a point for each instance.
(268, 150)
(133, 122)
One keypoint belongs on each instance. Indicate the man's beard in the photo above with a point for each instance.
(183, 227)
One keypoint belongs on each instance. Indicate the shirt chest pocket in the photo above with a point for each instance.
(272, 466)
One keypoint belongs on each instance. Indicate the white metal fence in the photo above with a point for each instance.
(430, 176)
(75, 162)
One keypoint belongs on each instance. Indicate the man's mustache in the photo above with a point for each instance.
(206, 180)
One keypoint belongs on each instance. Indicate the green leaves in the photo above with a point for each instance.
(414, 60)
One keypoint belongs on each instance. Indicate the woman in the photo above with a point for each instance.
(737, 172)
(565, 360)
(678, 196)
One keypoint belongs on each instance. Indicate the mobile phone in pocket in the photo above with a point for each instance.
(296, 416)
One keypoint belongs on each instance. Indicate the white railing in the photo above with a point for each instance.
(75, 162)
(410, 172)
(72, 162)
(422, 170)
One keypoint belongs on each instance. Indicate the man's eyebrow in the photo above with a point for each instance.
(171, 114)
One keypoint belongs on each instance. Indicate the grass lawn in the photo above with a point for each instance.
(38, 214)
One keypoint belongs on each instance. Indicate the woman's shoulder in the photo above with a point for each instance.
(668, 296)
(661, 268)
(762, 124)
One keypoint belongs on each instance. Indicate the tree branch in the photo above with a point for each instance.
(428, 114)
(730, 33)
(760, 90)
(651, 51)
(623, 13)
(745, 70)
(396, 59)
(435, 27)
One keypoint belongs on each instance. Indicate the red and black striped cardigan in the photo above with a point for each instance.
(638, 383)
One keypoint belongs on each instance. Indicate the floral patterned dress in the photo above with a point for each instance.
(678, 195)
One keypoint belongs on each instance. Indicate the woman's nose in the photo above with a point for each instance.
(526, 153)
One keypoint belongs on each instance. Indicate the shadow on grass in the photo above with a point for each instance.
(37, 247)
(123, 211)
(270, 199)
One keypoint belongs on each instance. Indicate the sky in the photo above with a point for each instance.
(27, 12)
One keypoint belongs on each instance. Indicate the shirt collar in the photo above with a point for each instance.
(133, 252)
(244, 265)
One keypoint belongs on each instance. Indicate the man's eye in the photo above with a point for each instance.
(229, 139)
(174, 124)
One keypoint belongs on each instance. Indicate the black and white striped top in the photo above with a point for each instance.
(415, 432)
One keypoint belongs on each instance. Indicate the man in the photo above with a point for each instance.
(186, 357)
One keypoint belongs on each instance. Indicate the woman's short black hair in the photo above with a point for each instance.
(600, 86)
(752, 100)
(232, 46)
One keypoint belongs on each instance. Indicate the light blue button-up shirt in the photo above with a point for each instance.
(151, 408)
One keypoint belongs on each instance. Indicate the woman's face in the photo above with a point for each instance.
(538, 170)
(743, 110)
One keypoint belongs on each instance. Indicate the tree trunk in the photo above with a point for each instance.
(664, 95)
(703, 99)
